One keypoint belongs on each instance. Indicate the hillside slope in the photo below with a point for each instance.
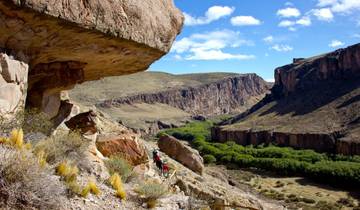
(314, 104)
(151, 100)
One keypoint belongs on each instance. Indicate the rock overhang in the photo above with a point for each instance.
(112, 38)
(69, 42)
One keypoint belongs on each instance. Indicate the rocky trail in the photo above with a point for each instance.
(213, 184)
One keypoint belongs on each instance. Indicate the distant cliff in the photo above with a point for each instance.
(314, 104)
(221, 97)
(305, 74)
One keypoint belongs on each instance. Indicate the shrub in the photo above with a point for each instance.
(151, 191)
(31, 121)
(25, 184)
(208, 159)
(117, 164)
(91, 187)
(333, 169)
(67, 172)
(17, 138)
(116, 183)
(61, 146)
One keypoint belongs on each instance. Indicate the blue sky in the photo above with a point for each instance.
(257, 36)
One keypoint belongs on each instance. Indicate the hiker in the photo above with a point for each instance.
(155, 155)
(165, 169)
(157, 159)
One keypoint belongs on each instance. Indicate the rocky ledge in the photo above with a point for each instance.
(68, 42)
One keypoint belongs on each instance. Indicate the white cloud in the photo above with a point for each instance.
(304, 21)
(244, 21)
(199, 54)
(212, 14)
(282, 48)
(210, 46)
(336, 43)
(324, 14)
(340, 6)
(289, 4)
(270, 80)
(356, 36)
(268, 39)
(323, 3)
(177, 57)
(286, 23)
(288, 12)
(291, 24)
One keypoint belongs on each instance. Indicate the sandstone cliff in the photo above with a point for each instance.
(224, 96)
(314, 104)
(69, 42)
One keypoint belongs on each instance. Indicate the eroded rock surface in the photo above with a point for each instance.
(314, 104)
(221, 97)
(13, 85)
(306, 73)
(126, 145)
(68, 42)
(182, 153)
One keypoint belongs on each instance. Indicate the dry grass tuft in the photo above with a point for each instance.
(119, 165)
(151, 191)
(62, 146)
(91, 187)
(116, 183)
(24, 184)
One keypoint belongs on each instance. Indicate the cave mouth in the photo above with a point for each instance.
(47, 80)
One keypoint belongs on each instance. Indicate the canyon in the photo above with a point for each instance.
(165, 100)
(314, 104)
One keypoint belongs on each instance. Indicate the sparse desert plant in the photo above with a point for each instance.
(151, 191)
(67, 171)
(117, 164)
(41, 156)
(31, 121)
(25, 184)
(17, 138)
(62, 145)
(116, 182)
(91, 187)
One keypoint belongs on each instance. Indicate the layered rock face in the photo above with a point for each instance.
(13, 85)
(126, 144)
(68, 42)
(221, 97)
(307, 73)
(182, 153)
(314, 104)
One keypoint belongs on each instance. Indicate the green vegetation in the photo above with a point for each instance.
(331, 169)
(117, 164)
(151, 191)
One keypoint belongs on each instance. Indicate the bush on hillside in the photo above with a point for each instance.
(25, 184)
(208, 159)
(117, 164)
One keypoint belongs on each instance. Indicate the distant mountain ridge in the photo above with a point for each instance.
(179, 96)
(313, 104)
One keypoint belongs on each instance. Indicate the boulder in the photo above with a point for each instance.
(84, 122)
(126, 145)
(182, 153)
(69, 42)
(13, 83)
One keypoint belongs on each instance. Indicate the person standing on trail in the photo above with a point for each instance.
(157, 159)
